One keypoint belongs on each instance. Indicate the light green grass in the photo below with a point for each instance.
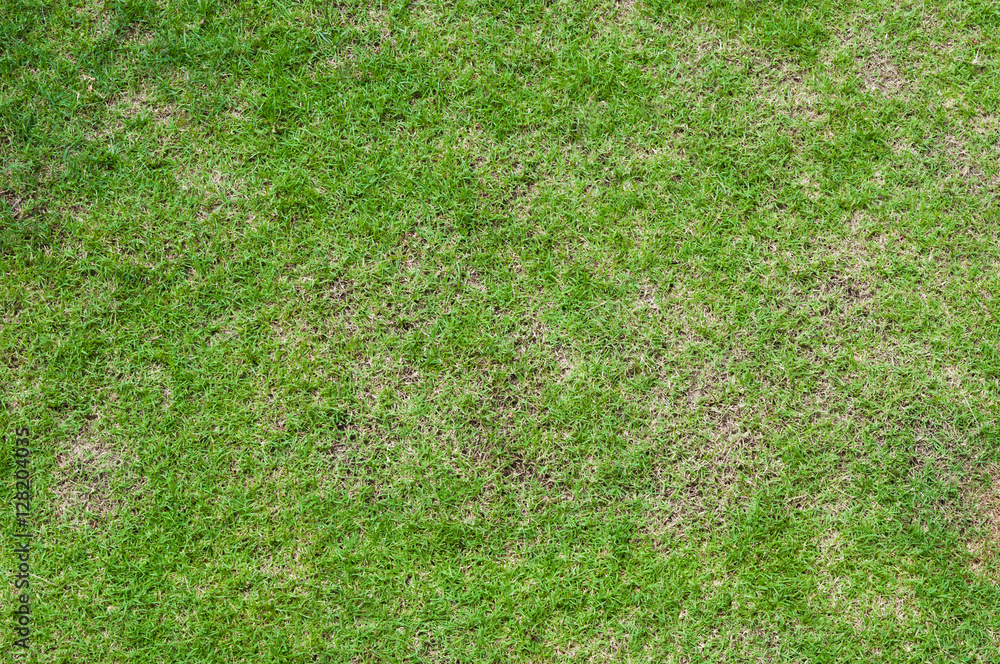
(489, 332)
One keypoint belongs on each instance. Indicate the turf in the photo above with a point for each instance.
(503, 331)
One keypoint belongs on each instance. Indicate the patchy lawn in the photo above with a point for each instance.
(605, 331)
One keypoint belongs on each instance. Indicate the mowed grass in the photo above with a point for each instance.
(479, 332)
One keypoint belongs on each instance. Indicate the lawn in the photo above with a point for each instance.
(489, 331)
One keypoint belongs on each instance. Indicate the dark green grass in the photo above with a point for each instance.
(491, 332)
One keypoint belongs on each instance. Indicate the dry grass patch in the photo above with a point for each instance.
(83, 478)
(719, 462)
(880, 74)
(143, 102)
(624, 9)
(783, 86)
(14, 202)
(966, 164)
(877, 71)
(386, 384)
(843, 290)
(902, 606)
(359, 459)
(985, 501)
(515, 467)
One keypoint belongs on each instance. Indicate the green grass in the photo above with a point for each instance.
(487, 331)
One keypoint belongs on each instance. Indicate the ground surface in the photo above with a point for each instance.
(654, 331)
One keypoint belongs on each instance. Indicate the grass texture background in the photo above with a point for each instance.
(504, 331)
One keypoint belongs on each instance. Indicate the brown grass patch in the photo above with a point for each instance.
(784, 88)
(716, 465)
(13, 201)
(876, 70)
(358, 459)
(514, 467)
(838, 298)
(971, 156)
(901, 605)
(132, 105)
(83, 479)
(624, 9)
(339, 294)
(488, 451)
(962, 161)
(880, 74)
(985, 501)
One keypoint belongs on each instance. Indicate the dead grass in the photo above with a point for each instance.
(716, 466)
(985, 501)
(625, 9)
(963, 162)
(783, 86)
(838, 299)
(877, 72)
(515, 467)
(880, 74)
(13, 201)
(82, 489)
(902, 606)
(141, 104)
